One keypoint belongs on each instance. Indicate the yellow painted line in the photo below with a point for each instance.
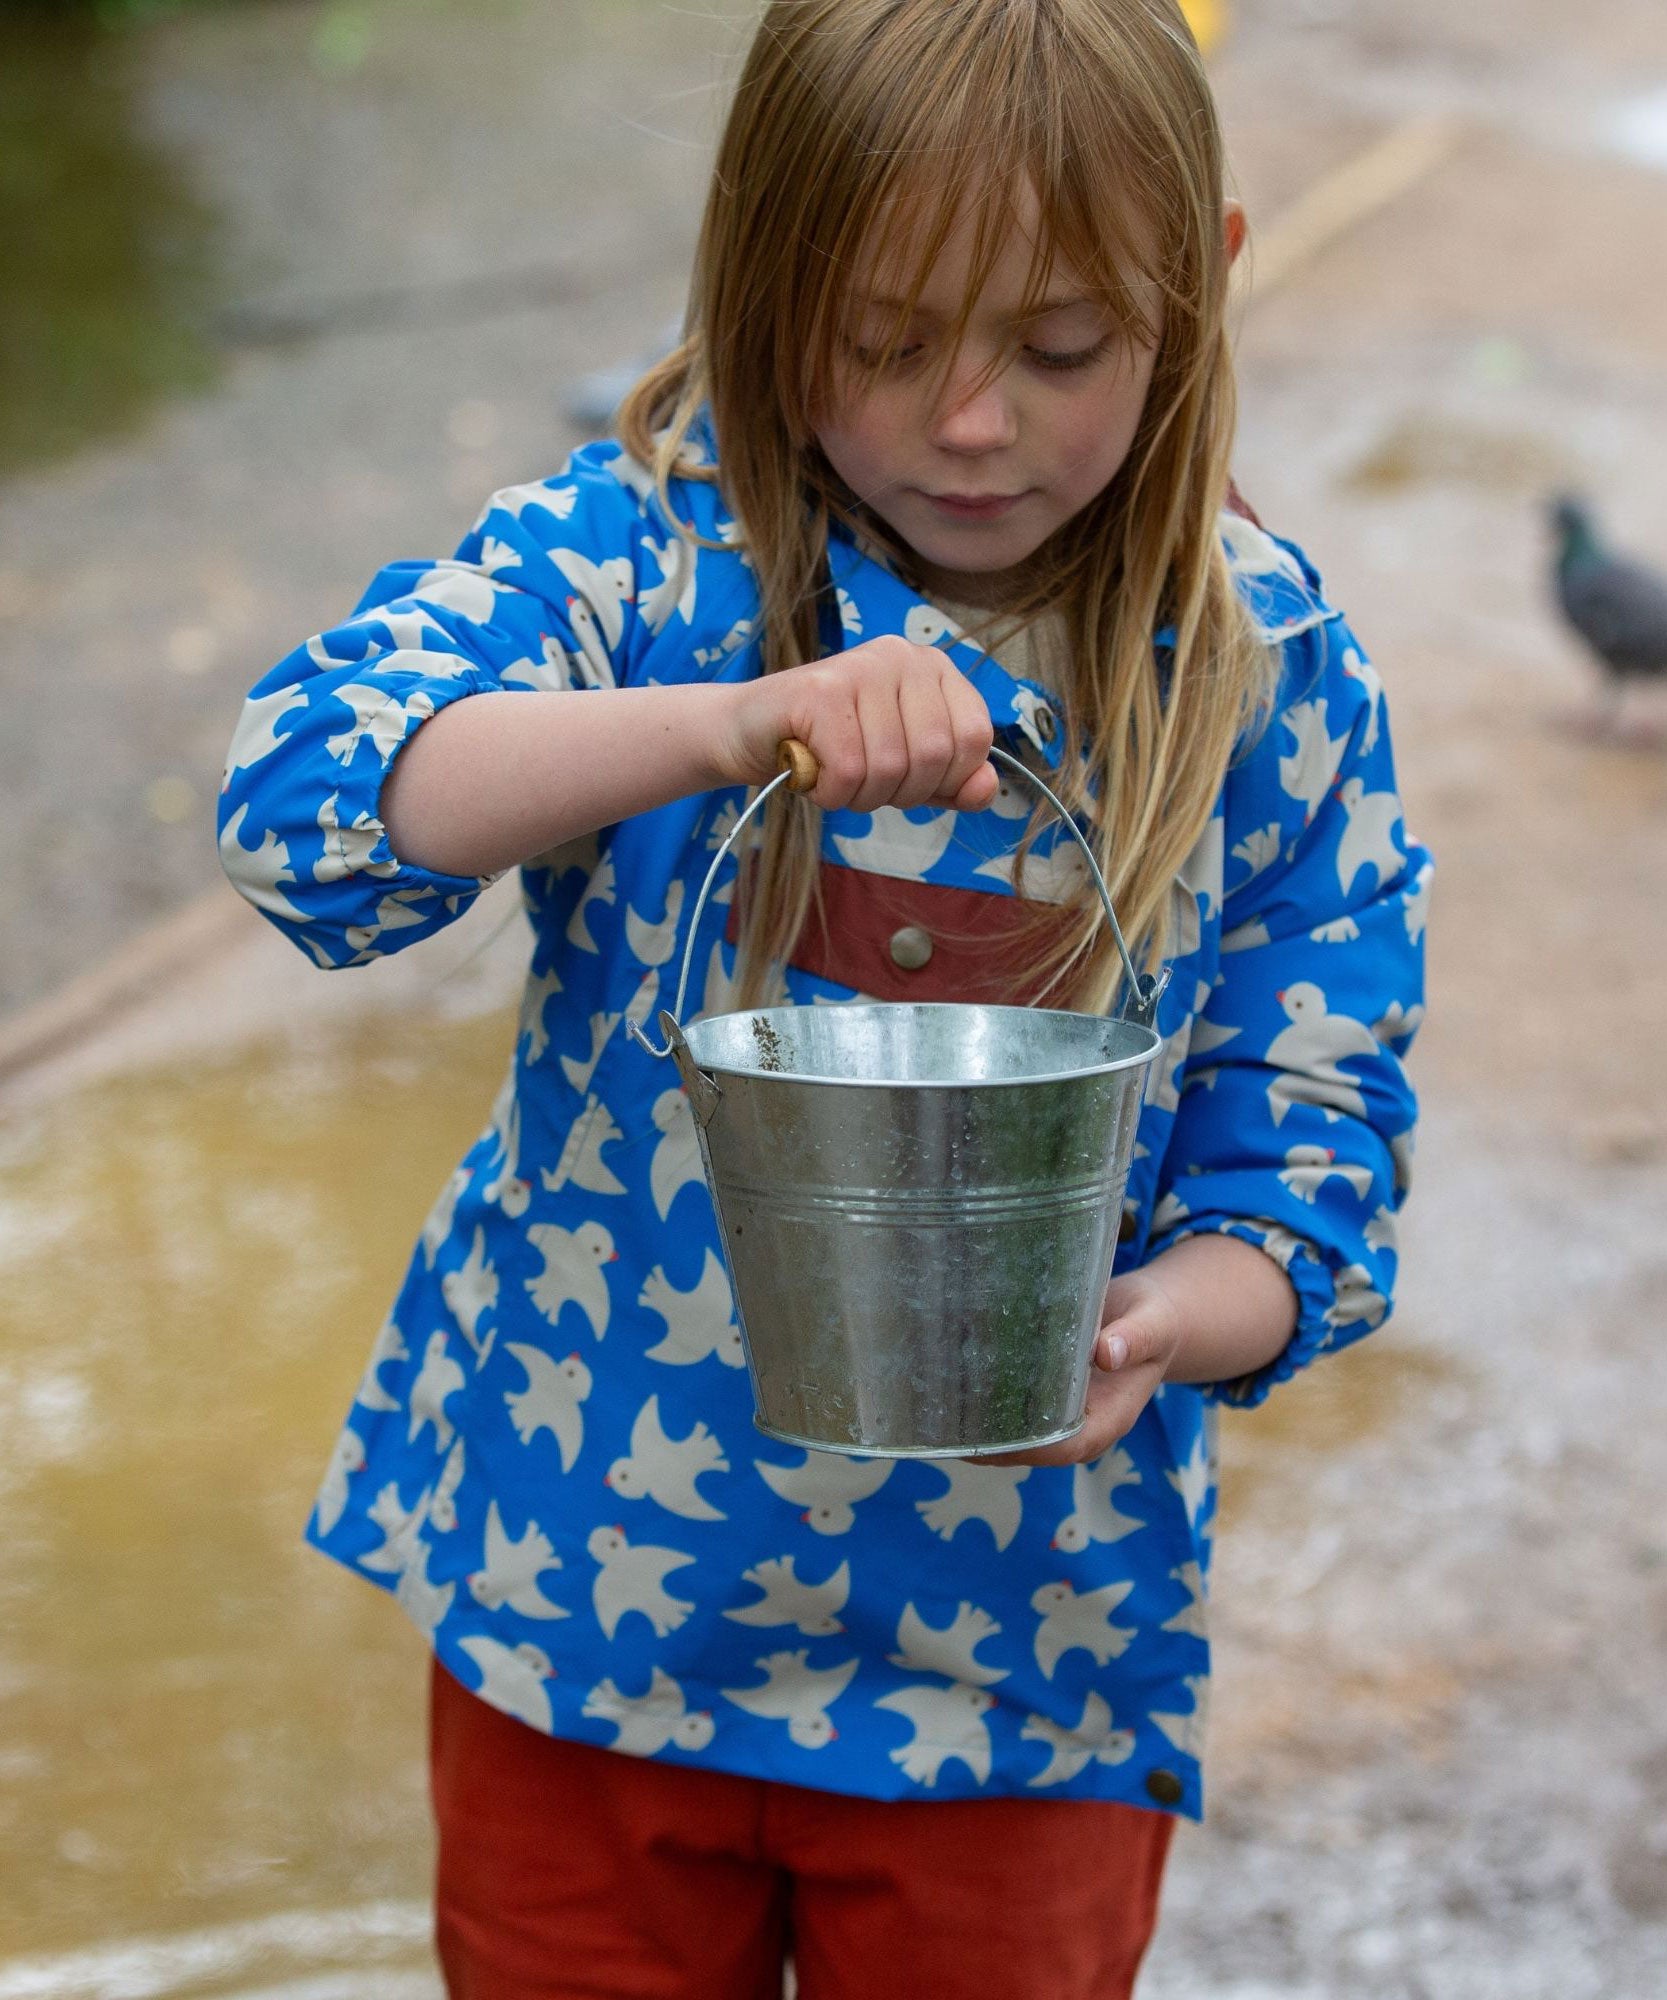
(1349, 195)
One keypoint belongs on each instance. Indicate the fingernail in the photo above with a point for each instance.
(1117, 1351)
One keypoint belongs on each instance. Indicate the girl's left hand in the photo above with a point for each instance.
(1140, 1334)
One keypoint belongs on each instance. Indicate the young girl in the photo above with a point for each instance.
(942, 462)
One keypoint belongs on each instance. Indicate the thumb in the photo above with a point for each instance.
(1133, 1339)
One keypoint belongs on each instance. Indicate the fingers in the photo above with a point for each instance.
(1114, 1406)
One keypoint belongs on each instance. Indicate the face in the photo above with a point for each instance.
(975, 477)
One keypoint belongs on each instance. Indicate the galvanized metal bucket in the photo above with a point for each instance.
(919, 1204)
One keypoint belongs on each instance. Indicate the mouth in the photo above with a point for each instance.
(973, 506)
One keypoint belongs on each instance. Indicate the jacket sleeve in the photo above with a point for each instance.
(542, 593)
(1295, 1117)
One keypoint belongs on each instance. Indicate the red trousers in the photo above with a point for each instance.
(571, 1873)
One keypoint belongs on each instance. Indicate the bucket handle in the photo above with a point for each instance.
(799, 772)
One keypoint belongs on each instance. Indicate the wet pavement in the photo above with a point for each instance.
(1439, 1748)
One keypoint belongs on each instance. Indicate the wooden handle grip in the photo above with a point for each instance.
(800, 760)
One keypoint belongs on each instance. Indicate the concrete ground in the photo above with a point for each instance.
(1439, 1753)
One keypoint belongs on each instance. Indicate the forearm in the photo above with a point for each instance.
(1235, 1307)
(493, 780)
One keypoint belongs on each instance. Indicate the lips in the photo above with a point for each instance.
(973, 506)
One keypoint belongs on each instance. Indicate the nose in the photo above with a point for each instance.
(972, 417)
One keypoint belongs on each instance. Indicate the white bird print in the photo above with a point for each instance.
(1259, 848)
(665, 1469)
(1201, 873)
(675, 590)
(1358, 668)
(987, 1493)
(1186, 1732)
(1070, 1622)
(1307, 1054)
(379, 714)
(471, 1290)
(634, 1579)
(572, 1274)
(348, 849)
(438, 1378)
(593, 660)
(1094, 1516)
(731, 642)
(390, 1346)
(496, 555)
(1381, 1233)
(1058, 876)
(949, 1649)
(438, 1225)
(1246, 936)
(393, 913)
(601, 888)
(926, 625)
(604, 589)
(512, 1678)
(827, 1485)
(1029, 709)
(511, 1570)
(463, 587)
(442, 1511)
(259, 871)
(897, 845)
(1369, 838)
(1397, 1023)
(1093, 1740)
(506, 1188)
(652, 1722)
(796, 1694)
(550, 1401)
(1335, 930)
(1192, 1481)
(1012, 800)
(256, 735)
(653, 944)
(948, 1723)
(1311, 769)
(1191, 1618)
(1415, 907)
(400, 1527)
(540, 989)
(542, 493)
(553, 672)
(581, 1160)
(1308, 1168)
(850, 612)
(676, 1161)
(423, 1601)
(579, 1073)
(789, 1600)
(1357, 1299)
(715, 993)
(698, 1322)
(347, 1458)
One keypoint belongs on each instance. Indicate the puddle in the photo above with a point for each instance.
(1426, 449)
(200, 1721)
(108, 252)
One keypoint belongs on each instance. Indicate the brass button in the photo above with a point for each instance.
(1129, 1228)
(1164, 1788)
(911, 948)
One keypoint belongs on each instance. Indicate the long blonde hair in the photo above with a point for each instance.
(869, 128)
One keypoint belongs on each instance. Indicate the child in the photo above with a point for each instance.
(956, 365)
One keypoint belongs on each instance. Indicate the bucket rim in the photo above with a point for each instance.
(1137, 1060)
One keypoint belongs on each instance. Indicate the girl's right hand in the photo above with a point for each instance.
(890, 723)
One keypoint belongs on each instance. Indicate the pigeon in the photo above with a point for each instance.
(949, 1649)
(790, 1600)
(471, 1290)
(581, 1160)
(1094, 1516)
(442, 1512)
(550, 1401)
(572, 1274)
(897, 845)
(1071, 1620)
(1186, 1732)
(676, 1162)
(512, 1678)
(653, 943)
(1192, 1481)
(438, 1225)
(1191, 1618)
(1306, 1055)
(1616, 604)
(506, 1187)
(796, 1694)
(1071, 1750)
(540, 989)
(948, 1722)
(1310, 771)
(665, 1469)
(439, 1378)
(987, 1493)
(390, 1346)
(1308, 1168)
(347, 1459)
(652, 1722)
(698, 1322)
(633, 1578)
(827, 1485)
(512, 1569)
(1368, 839)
